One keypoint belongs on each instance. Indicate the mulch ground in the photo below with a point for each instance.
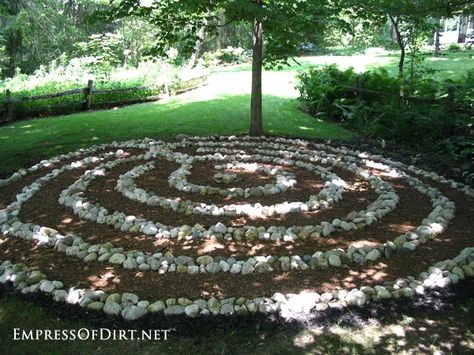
(413, 207)
(408, 215)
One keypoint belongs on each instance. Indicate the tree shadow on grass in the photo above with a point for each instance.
(38, 139)
(441, 321)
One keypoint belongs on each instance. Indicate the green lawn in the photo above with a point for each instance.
(452, 64)
(445, 331)
(222, 107)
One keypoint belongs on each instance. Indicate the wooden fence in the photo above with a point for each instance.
(88, 93)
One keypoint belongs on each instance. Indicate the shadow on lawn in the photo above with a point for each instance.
(441, 321)
(24, 143)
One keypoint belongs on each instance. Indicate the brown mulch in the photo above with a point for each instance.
(408, 215)
(154, 286)
(204, 173)
(413, 207)
(102, 190)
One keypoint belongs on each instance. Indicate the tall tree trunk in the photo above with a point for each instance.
(256, 124)
(70, 9)
(13, 49)
(14, 41)
(197, 46)
(401, 45)
(437, 51)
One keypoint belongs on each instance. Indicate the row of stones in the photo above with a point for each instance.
(331, 193)
(50, 163)
(385, 203)
(338, 152)
(283, 180)
(436, 222)
(75, 246)
(228, 176)
(130, 307)
(261, 264)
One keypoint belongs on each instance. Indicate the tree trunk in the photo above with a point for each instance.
(401, 45)
(14, 41)
(197, 46)
(13, 49)
(256, 124)
(437, 51)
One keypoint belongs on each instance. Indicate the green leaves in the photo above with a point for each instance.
(285, 23)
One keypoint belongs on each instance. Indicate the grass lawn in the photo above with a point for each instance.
(451, 65)
(222, 107)
(447, 331)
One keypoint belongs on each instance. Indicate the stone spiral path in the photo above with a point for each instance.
(207, 226)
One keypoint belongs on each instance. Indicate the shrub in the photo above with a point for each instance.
(454, 47)
(156, 77)
(328, 92)
(229, 55)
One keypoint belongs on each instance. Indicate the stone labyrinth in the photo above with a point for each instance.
(207, 226)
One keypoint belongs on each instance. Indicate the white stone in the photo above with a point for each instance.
(373, 255)
(192, 310)
(334, 260)
(133, 313)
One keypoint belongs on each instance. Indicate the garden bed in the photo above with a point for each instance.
(98, 229)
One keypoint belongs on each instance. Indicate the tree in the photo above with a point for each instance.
(35, 32)
(278, 28)
(9, 11)
(409, 19)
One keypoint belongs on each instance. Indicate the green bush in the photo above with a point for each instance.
(229, 55)
(329, 93)
(152, 77)
(454, 47)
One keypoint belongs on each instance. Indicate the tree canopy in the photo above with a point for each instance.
(278, 26)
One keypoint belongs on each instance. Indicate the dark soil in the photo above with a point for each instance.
(413, 207)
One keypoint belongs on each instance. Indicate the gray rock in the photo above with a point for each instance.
(117, 259)
(112, 309)
(47, 286)
(150, 229)
(144, 267)
(373, 255)
(130, 298)
(114, 298)
(236, 268)
(59, 295)
(174, 310)
(158, 306)
(327, 230)
(35, 277)
(134, 313)
(192, 310)
(358, 258)
(95, 306)
(334, 260)
(409, 245)
(213, 268)
(247, 268)
(204, 260)
(382, 292)
(90, 257)
(345, 226)
(220, 228)
(227, 309)
(104, 257)
(130, 263)
(356, 298)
